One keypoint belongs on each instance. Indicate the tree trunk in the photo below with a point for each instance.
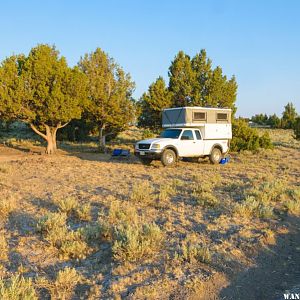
(51, 139)
(101, 139)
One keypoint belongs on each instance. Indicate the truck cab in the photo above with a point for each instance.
(189, 132)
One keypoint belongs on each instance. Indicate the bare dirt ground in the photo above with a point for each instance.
(229, 231)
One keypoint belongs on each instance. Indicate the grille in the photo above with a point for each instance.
(144, 146)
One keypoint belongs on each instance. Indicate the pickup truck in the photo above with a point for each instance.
(176, 143)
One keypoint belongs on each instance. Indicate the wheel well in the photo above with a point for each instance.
(218, 146)
(172, 148)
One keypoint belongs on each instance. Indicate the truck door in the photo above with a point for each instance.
(199, 145)
(190, 143)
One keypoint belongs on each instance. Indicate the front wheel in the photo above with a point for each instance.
(168, 158)
(215, 156)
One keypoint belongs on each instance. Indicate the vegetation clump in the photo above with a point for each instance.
(133, 242)
(17, 288)
(246, 138)
(71, 244)
(203, 194)
(253, 207)
(142, 193)
(64, 284)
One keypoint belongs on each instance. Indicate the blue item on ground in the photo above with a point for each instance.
(120, 152)
(224, 160)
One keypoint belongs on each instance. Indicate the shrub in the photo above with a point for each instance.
(297, 129)
(122, 212)
(246, 138)
(63, 286)
(193, 251)
(3, 246)
(204, 196)
(293, 205)
(17, 288)
(7, 205)
(142, 193)
(83, 212)
(70, 244)
(133, 242)
(67, 205)
(251, 207)
(51, 221)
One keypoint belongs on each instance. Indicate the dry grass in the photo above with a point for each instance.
(125, 230)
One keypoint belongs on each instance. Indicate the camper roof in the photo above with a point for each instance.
(199, 107)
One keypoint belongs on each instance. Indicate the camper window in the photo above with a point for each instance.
(199, 116)
(222, 116)
(187, 135)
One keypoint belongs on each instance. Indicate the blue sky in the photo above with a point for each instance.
(257, 41)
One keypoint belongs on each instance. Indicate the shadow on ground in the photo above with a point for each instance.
(277, 270)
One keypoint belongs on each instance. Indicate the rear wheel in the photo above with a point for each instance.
(146, 160)
(215, 156)
(168, 158)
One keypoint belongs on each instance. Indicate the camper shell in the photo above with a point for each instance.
(214, 123)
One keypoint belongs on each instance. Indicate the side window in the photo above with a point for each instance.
(187, 135)
(198, 135)
(222, 116)
(199, 116)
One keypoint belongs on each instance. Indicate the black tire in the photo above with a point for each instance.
(215, 156)
(168, 158)
(146, 160)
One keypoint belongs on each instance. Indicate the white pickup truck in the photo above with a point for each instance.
(210, 138)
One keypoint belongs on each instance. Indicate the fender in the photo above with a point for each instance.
(216, 146)
(172, 147)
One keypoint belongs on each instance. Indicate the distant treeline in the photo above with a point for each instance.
(287, 121)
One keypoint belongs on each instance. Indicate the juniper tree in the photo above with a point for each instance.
(110, 105)
(153, 102)
(41, 90)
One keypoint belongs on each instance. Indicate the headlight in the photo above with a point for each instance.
(155, 146)
(136, 146)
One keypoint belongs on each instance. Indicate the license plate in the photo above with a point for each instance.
(142, 153)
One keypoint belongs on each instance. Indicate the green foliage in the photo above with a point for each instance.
(297, 129)
(3, 246)
(192, 82)
(153, 102)
(41, 90)
(110, 106)
(64, 284)
(246, 138)
(133, 242)
(203, 194)
(142, 193)
(17, 288)
(71, 244)
(196, 252)
(253, 207)
(7, 205)
(67, 205)
(289, 116)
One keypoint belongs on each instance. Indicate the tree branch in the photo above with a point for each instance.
(62, 126)
(38, 132)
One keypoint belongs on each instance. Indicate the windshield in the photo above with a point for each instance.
(171, 133)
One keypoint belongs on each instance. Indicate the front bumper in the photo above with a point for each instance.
(153, 153)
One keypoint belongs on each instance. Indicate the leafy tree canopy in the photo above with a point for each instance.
(110, 105)
(192, 82)
(41, 90)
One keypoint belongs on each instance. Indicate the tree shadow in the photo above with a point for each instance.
(277, 269)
